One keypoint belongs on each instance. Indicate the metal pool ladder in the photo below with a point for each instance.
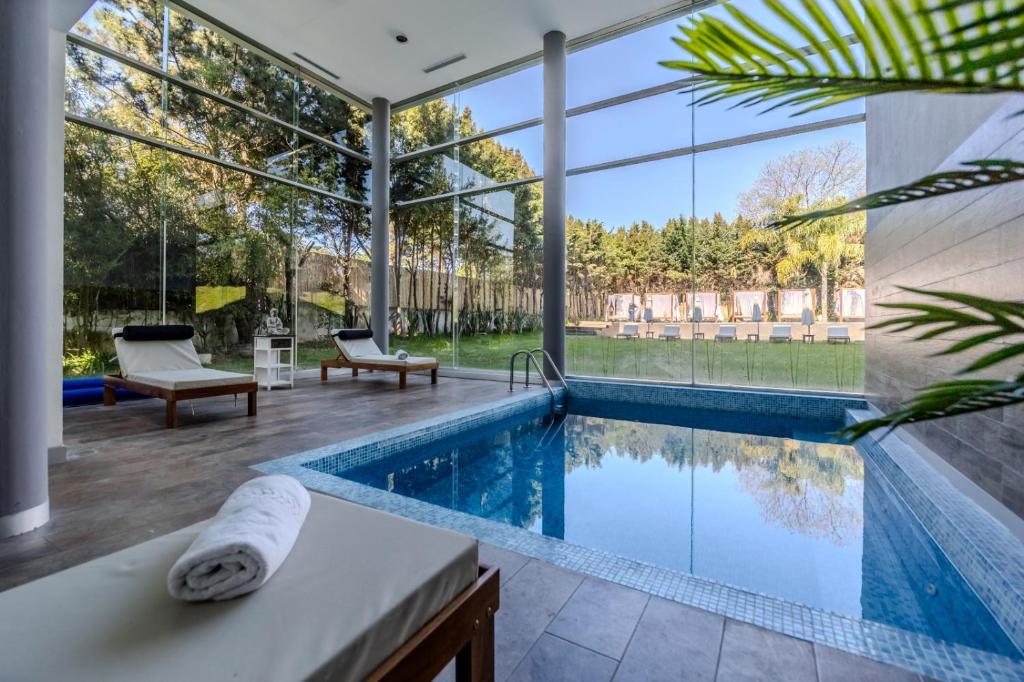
(556, 407)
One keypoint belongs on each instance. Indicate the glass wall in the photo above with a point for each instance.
(206, 183)
(667, 205)
(466, 266)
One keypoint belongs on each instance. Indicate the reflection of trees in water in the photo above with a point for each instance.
(798, 485)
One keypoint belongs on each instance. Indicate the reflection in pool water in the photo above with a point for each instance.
(766, 505)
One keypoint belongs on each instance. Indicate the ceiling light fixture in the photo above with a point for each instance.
(444, 62)
(402, 38)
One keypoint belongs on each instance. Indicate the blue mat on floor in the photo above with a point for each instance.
(89, 391)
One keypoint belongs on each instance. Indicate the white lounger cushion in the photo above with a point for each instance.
(182, 379)
(837, 333)
(365, 350)
(781, 331)
(152, 356)
(358, 584)
(726, 331)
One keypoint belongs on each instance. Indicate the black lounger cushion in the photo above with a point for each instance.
(157, 332)
(353, 334)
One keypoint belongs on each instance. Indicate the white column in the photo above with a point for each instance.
(554, 199)
(31, 257)
(380, 199)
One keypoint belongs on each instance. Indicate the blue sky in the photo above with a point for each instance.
(652, 191)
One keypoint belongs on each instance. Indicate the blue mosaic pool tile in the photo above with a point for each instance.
(946, 513)
(772, 403)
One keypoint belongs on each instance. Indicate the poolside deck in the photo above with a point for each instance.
(128, 479)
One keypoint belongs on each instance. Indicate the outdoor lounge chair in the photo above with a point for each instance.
(726, 332)
(629, 331)
(780, 332)
(837, 335)
(670, 333)
(357, 350)
(364, 594)
(160, 361)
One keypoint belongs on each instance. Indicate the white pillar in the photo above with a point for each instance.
(554, 199)
(380, 200)
(31, 257)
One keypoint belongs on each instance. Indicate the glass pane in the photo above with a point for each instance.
(648, 125)
(512, 98)
(425, 125)
(333, 259)
(423, 265)
(206, 57)
(501, 266)
(327, 115)
(501, 159)
(105, 90)
(229, 258)
(628, 247)
(817, 271)
(133, 28)
(111, 244)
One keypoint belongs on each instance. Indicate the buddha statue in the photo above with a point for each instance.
(274, 325)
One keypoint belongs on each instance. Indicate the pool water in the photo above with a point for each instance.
(766, 504)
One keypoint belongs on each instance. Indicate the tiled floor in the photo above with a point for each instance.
(128, 480)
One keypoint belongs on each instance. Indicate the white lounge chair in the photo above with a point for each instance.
(837, 335)
(726, 332)
(629, 331)
(160, 361)
(363, 595)
(780, 333)
(670, 332)
(357, 350)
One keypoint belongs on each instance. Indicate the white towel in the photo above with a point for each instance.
(401, 354)
(244, 544)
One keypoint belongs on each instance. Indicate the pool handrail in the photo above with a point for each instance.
(530, 357)
(551, 364)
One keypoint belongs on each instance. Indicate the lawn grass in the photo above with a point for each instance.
(817, 366)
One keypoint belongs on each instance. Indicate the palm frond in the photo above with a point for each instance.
(985, 320)
(976, 174)
(947, 399)
(916, 48)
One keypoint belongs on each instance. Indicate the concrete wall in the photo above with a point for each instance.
(969, 242)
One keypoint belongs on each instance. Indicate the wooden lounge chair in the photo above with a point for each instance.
(160, 361)
(837, 335)
(670, 333)
(629, 331)
(726, 332)
(357, 350)
(363, 595)
(781, 333)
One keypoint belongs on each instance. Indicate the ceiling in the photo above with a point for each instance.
(355, 39)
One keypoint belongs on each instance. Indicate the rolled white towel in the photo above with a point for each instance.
(400, 354)
(244, 544)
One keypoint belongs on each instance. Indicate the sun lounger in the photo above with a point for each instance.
(363, 595)
(629, 331)
(726, 332)
(837, 335)
(160, 361)
(780, 332)
(357, 350)
(670, 333)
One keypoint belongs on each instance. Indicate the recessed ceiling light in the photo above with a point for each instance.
(444, 62)
(402, 38)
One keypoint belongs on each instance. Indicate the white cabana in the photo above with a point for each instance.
(851, 304)
(665, 307)
(708, 301)
(792, 303)
(743, 303)
(619, 304)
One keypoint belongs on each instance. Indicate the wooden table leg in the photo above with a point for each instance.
(323, 372)
(355, 371)
(433, 376)
(252, 404)
(402, 379)
(172, 414)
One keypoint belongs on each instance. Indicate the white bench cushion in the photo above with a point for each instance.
(358, 584)
(837, 333)
(182, 379)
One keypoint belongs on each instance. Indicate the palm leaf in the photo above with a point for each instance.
(986, 321)
(976, 174)
(738, 59)
(943, 400)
